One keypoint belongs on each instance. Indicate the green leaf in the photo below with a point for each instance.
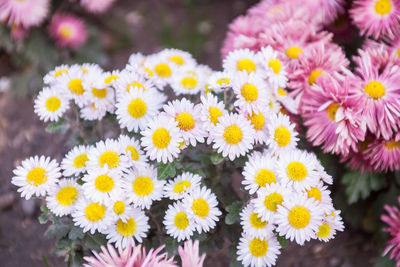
(166, 170)
(360, 185)
(233, 212)
(216, 158)
(282, 241)
(57, 230)
(385, 261)
(60, 126)
(45, 216)
(76, 233)
(171, 245)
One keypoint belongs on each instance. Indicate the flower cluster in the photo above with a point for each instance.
(393, 229)
(352, 114)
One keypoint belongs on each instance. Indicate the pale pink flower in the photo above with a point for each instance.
(97, 6)
(189, 254)
(393, 220)
(384, 154)
(25, 13)
(68, 30)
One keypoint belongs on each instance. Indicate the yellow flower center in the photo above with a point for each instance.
(133, 85)
(53, 104)
(249, 92)
(181, 186)
(60, 72)
(185, 121)
(214, 114)
(65, 31)
(256, 221)
(223, 81)
(104, 183)
(299, 217)
(398, 52)
(143, 186)
(246, 64)
(99, 93)
(181, 220)
(272, 201)
(75, 86)
(67, 195)
(313, 76)
(177, 59)
(161, 138)
(189, 82)
(149, 72)
(119, 207)
(375, 89)
(80, 160)
(134, 153)
(293, 52)
(282, 136)
(126, 229)
(200, 208)
(36, 176)
(264, 177)
(94, 212)
(110, 158)
(282, 91)
(331, 110)
(275, 65)
(233, 134)
(257, 120)
(163, 70)
(315, 193)
(383, 7)
(296, 171)
(110, 78)
(137, 108)
(258, 247)
(324, 230)
(392, 144)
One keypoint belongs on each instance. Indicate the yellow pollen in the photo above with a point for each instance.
(177, 59)
(313, 76)
(137, 108)
(104, 183)
(233, 134)
(126, 229)
(257, 120)
(249, 92)
(75, 86)
(60, 72)
(293, 52)
(214, 114)
(119, 207)
(282, 136)
(275, 65)
(331, 110)
(299, 217)
(65, 31)
(67, 195)
(181, 186)
(296, 171)
(53, 104)
(223, 81)
(264, 177)
(110, 158)
(185, 121)
(315, 193)
(99, 93)
(282, 91)
(324, 230)
(149, 72)
(163, 70)
(143, 186)
(94, 212)
(110, 78)
(256, 221)
(392, 144)
(272, 201)
(161, 138)
(246, 64)
(133, 85)
(375, 89)
(398, 52)
(200, 208)
(189, 82)
(84, 70)
(134, 153)
(383, 7)
(36, 176)
(181, 220)
(258, 247)
(80, 160)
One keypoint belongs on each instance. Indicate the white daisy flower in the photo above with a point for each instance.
(331, 224)
(146, 72)
(102, 185)
(131, 148)
(62, 198)
(51, 104)
(91, 112)
(74, 162)
(282, 135)
(126, 232)
(91, 216)
(187, 115)
(252, 223)
(71, 85)
(268, 200)
(136, 108)
(177, 222)
(201, 206)
(142, 186)
(211, 110)
(258, 252)
(283, 97)
(296, 168)
(259, 171)
(111, 77)
(178, 57)
(120, 207)
(273, 105)
(89, 68)
(218, 81)
(107, 154)
(128, 81)
(137, 58)
(321, 195)
(188, 81)
(162, 139)
(259, 121)
(250, 90)
(53, 76)
(242, 60)
(233, 136)
(275, 69)
(298, 218)
(182, 184)
(97, 90)
(161, 67)
(36, 176)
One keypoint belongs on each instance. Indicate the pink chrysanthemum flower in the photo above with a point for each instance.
(97, 6)
(382, 55)
(384, 154)
(377, 17)
(379, 91)
(393, 220)
(68, 30)
(333, 117)
(25, 13)
(189, 254)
